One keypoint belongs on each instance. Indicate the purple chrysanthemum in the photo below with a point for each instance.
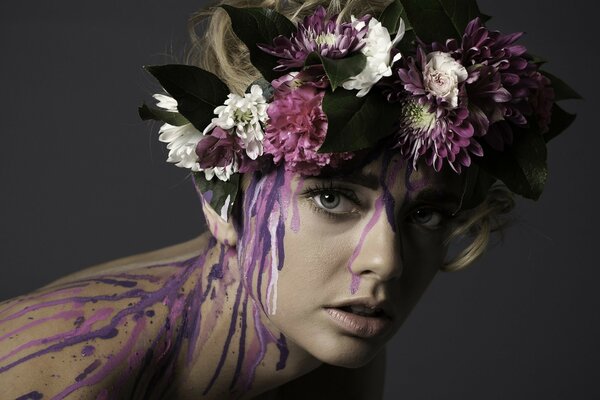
(436, 136)
(502, 81)
(430, 126)
(320, 34)
(457, 93)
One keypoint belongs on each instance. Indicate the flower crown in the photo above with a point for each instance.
(445, 90)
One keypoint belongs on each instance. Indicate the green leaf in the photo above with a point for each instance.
(560, 121)
(478, 186)
(521, 166)
(439, 20)
(407, 44)
(561, 89)
(391, 16)
(339, 70)
(535, 59)
(197, 92)
(259, 26)
(356, 123)
(221, 195)
(172, 118)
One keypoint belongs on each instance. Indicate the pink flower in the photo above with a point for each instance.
(297, 127)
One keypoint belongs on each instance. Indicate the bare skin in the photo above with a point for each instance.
(248, 311)
(60, 369)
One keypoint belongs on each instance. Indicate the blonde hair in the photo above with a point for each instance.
(216, 48)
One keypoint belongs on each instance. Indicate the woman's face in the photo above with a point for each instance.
(338, 263)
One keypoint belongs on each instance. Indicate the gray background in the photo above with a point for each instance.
(83, 181)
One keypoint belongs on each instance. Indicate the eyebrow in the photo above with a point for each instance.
(434, 195)
(368, 180)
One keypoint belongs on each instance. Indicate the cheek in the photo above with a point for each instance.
(266, 212)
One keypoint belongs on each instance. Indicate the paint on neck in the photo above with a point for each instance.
(153, 320)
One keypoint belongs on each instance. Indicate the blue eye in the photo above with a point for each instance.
(332, 201)
(329, 200)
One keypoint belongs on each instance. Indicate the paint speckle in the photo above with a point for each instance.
(88, 351)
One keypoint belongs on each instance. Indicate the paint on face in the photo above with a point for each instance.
(260, 252)
(388, 175)
(179, 298)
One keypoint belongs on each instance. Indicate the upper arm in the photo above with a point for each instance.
(86, 338)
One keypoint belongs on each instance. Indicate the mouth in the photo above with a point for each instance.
(361, 320)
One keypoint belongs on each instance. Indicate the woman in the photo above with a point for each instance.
(323, 254)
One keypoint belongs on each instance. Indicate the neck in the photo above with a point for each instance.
(236, 349)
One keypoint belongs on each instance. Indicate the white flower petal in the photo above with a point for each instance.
(377, 49)
(166, 102)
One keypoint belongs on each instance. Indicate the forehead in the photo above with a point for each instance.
(391, 172)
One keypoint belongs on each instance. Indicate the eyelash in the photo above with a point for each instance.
(324, 188)
(329, 188)
(444, 215)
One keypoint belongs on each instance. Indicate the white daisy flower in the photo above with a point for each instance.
(181, 140)
(244, 115)
(377, 49)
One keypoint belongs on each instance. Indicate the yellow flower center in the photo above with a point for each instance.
(418, 116)
(325, 39)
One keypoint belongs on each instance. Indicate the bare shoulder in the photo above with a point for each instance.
(329, 382)
(108, 332)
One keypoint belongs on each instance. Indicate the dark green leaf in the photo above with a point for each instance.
(391, 16)
(478, 184)
(561, 89)
(197, 92)
(561, 120)
(521, 166)
(221, 195)
(407, 44)
(535, 59)
(439, 20)
(172, 118)
(356, 123)
(266, 87)
(259, 26)
(339, 70)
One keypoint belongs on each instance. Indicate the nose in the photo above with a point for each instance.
(378, 251)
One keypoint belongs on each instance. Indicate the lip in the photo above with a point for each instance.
(359, 325)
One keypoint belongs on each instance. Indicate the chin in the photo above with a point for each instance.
(346, 351)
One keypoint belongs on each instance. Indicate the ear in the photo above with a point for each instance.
(222, 230)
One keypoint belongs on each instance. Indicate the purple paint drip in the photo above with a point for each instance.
(101, 315)
(114, 282)
(227, 342)
(389, 174)
(156, 365)
(241, 349)
(88, 370)
(295, 225)
(61, 315)
(31, 396)
(356, 277)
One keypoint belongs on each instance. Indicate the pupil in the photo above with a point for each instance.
(330, 200)
(423, 215)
